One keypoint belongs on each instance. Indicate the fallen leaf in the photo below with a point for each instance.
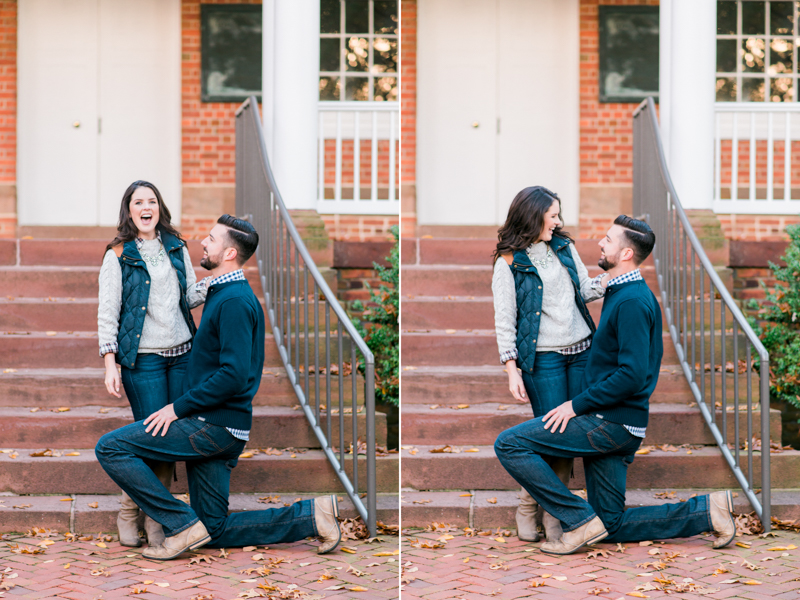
(358, 588)
(492, 500)
(93, 505)
(637, 595)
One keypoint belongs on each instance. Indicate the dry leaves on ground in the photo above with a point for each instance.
(425, 544)
(446, 450)
(597, 553)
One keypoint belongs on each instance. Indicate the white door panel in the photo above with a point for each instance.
(57, 128)
(113, 66)
(455, 158)
(140, 101)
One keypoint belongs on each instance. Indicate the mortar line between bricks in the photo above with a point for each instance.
(72, 513)
(18, 252)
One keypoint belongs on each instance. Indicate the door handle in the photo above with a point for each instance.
(475, 124)
(76, 124)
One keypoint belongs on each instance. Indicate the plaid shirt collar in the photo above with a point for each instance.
(237, 275)
(140, 241)
(635, 275)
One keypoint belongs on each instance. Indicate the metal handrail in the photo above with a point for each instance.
(683, 267)
(284, 265)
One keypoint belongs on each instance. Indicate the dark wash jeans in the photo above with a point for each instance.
(210, 453)
(155, 382)
(607, 449)
(555, 379)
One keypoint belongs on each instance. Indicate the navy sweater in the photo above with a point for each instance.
(625, 357)
(227, 359)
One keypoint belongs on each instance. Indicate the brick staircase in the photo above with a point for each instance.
(52, 398)
(454, 393)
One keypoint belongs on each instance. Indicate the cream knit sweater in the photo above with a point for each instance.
(164, 325)
(561, 324)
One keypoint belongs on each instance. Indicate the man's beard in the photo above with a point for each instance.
(209, 263)
(604, 263)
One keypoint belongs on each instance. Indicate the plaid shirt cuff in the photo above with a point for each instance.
(509, 355)
(203, 283)
(596, 282)
(113, 347)
(577, 348)
(177, 350)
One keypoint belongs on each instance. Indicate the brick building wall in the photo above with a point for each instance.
(408, 120)
(8, 118)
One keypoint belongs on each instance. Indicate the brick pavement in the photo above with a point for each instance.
(480, 567)
(102, 569)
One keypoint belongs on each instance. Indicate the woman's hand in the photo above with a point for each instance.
(515, 384)
(112, 375)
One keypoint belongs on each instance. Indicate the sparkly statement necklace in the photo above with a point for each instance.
(543, 263)
(154, 260)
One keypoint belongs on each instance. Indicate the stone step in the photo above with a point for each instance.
(72, 281)
(480, 424)
(52, 313)
(308, 472)
(74, 513)
(704, 467)
(471, 280)
(79, 349)
(449, 385)
(471, 508)
(468, 347)
(52, 388)
(81, 427)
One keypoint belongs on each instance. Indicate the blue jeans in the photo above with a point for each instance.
(607, 449)
(155, 382)
(210, 452)
(555, 379)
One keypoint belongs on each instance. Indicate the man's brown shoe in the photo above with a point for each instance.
(175, 545)
(326, 512)
(589, 533)
(720, 508)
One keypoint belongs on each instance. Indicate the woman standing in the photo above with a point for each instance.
(147, 287)
(540, 287)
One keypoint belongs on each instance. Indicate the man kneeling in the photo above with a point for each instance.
(605, 424)
(209, 425)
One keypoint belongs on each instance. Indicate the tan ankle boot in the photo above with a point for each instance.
(128, 522)
(153, 529)
(526, 517)
(562, 467)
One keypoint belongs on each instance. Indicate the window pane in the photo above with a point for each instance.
(753, 54)
(781, 89)
(726, 89)
(781, 18)
(329, 88)
(386, 89)
(780, 58)
(752, 89)
(385, 17)
(357, 57)
(329, 13)
(384, 57)
(356, 16)
(726, 18)
(356, 88)
(753, 21)
(329, 54)
(726, 56)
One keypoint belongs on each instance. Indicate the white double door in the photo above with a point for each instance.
(99, 97)
(498, 106)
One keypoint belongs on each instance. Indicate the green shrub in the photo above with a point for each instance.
(778, 324)
(380, 328)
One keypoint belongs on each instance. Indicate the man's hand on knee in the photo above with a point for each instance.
(159, 419)
(559, 416)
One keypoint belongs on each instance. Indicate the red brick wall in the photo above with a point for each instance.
(408, 121)
(760, 228)
(606, 133)
(8, 118)
(359, 228)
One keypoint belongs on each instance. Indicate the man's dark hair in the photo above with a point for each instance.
(241, 235)
(641, 238)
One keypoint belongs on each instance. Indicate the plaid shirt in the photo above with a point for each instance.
(635, 275)
(113, 347)
(574, 349)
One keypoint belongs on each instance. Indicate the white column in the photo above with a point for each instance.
(291, 91)
(686, 96)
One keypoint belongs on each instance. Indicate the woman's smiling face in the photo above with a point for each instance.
(551, 222)
(144, 212)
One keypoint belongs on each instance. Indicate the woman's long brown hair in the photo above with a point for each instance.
(126, 230)
(525, 220)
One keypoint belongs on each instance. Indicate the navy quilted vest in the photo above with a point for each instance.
(529, 299)
(136, 293)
